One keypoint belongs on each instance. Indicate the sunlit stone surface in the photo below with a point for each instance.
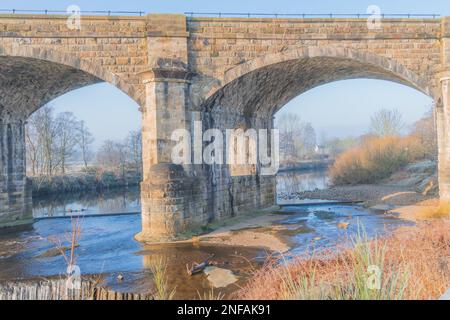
(227, 73)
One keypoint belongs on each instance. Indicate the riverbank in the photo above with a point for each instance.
(239, 246)
(90, 180)
(256, 229)
(413, 263)
(306, 165)
(404, 195)
(414, 184)
(253, 232)
(371, 195)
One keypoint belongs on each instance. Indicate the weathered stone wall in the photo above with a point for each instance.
(443, 114)
(226, 73)
(15, 193)
(218, 44)
(112, 49)
(40, 59)
(176, 197)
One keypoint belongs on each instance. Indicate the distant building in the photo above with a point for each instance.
(321, 151)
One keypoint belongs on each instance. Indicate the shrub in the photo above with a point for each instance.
(442, 211)
(413, 264)
(82, 181)
(374, 159)
(158, 267)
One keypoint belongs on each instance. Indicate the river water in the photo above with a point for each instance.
(107, 245)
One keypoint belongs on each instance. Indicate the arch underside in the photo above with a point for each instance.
(26, 84)
(265, 90)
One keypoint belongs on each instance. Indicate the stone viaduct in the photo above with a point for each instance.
(227, 72)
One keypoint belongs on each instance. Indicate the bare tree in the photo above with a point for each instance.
(32, 146)
(84, 140)
(52, 141)
(308, 136)
(289, 127)
(336, 146)
(65, 124)
(386, 123)
(121, 150)
(105, 154)
(112, 155)
(41, 140)
(297, 138)
(134, 142)
(425, 130)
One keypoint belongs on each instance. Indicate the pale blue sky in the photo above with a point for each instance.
(274, 6)
(338, 109)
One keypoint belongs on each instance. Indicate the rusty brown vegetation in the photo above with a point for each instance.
(414, 264)
(375, 158)
(384, 151)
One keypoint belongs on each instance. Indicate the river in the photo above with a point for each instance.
(107, 246)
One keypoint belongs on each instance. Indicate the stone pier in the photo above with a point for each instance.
(15, 193)
(197, 74)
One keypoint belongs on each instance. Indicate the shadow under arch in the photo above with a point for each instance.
(31, 77)
(263, 85)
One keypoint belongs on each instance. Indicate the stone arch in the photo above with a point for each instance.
(268, 82)
(73, 73)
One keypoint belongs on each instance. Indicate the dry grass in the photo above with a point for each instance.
(442, 211)
(211, 295)
(158, 267)
(375, 159)
(414, 264)
(72, 238)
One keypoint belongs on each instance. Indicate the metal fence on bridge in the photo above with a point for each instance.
(68, 12)
(310, 15)
(227, 14)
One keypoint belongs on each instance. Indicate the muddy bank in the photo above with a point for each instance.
(56, 288)
(416, 256)
(413, 184)
(307, 165)
(239, 246)
(371, 195)
(82, 182)
(253, 232)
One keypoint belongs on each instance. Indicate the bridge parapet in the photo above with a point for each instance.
(223, 73)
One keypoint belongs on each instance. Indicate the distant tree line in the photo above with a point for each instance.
(297, 138)
(384, 149)
(57, 143)
(387, 146)
(121, 156)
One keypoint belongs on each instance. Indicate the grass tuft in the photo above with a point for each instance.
(211, 295)
(413, 263)
(158, 267)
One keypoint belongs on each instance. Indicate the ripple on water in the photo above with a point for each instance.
(107, 247)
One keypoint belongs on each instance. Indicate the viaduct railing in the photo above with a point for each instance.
(310, 15)
(68, 12)
(227, 14)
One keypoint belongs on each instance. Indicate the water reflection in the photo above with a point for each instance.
(128, 200)
(312, 227)
(240, 260)
(107, 244)
(107, 247)
(88, 203)
(298, 181)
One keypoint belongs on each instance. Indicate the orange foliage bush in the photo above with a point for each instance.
(420, 252)
(375, 159)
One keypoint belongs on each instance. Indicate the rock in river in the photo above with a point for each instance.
(219, 277)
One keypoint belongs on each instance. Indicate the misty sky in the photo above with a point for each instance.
(337, 109)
